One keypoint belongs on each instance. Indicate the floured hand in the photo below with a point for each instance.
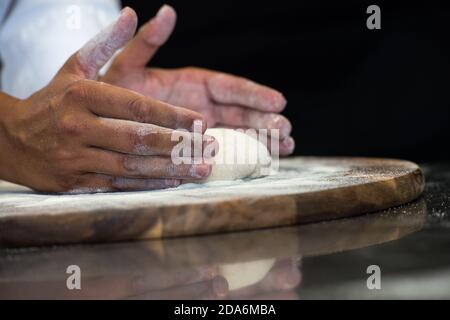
(81, 135)
(224, 100)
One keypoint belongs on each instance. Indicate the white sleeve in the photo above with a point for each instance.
(39, 35)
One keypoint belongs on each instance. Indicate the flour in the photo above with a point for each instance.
(284, 182)
(143, 131)
(295, 176)
(102, 47)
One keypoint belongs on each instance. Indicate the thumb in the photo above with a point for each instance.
(150, 38)
(88, 61)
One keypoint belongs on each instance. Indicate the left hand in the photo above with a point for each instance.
(224, 100)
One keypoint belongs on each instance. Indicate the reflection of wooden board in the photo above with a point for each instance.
(305, 190)
(131, 258)
(115, 270)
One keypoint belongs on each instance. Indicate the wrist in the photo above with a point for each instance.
(7, 111)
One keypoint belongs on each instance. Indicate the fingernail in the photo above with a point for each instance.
(292, 279)
(289, 143)
(160, 27)
(161, 10)
(277, 121)
(124, 10)
(200, 171)
(281, 102)
(285, 132)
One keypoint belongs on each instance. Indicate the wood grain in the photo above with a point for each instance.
(306, 189)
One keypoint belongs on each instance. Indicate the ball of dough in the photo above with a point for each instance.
(240, 156)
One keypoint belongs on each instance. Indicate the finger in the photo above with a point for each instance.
(117, 287)
(163, 279)
(244, 117)
(96, 53)
(145, 167)
(95, 183)
(228, 89)
(207, 290)
(141, 139)
(283, 147)
(113, 102)
(150, 37)
(285, 275)
(286, 146)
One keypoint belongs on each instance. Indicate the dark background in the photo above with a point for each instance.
(350, 90)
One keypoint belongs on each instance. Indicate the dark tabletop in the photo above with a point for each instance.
(409, 244)
(415, 266)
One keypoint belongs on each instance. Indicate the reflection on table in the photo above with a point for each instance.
(262, 264)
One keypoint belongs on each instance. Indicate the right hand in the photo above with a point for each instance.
(80, 135)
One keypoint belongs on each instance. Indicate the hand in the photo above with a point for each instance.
(81, 135)
(155, 284)
(281, 282)
(224, 100)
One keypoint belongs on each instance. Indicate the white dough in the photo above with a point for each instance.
(240, 275)
(240, 156)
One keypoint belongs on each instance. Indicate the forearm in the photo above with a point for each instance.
(7, 171)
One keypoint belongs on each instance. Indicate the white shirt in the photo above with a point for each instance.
(38, 36)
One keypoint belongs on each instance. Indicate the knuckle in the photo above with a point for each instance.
(64, 160)
(71, 125)
(137, 108)
(127, 164)
(62, 155)
(77, 90)
(135, 140)
(55, 103)
(146, 144)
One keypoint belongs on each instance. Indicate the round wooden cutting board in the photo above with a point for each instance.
(305, 189)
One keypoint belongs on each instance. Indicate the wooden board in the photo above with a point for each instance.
(306, 189)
